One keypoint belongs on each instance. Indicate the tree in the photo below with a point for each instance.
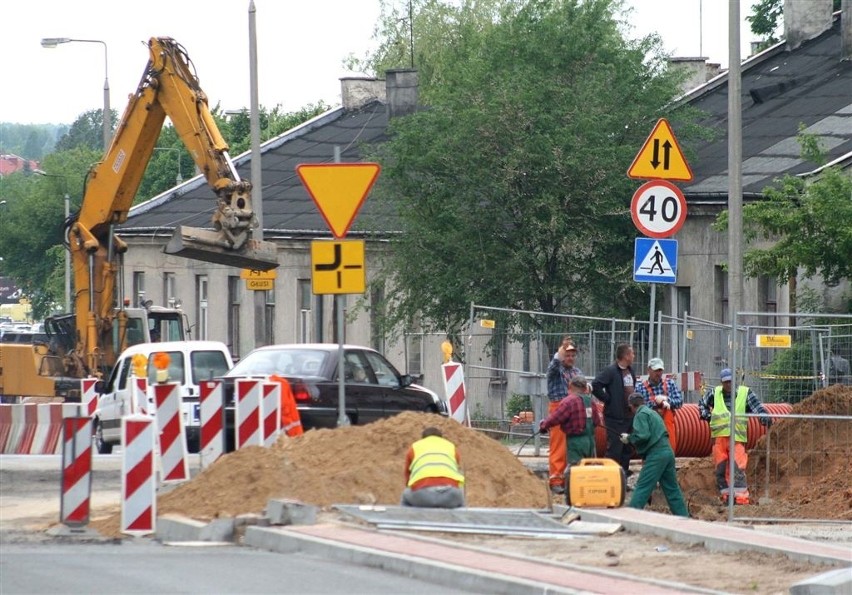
(87, 130)
(510, 188)
(807, 219)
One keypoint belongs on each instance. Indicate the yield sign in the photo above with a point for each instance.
(339, 190)
(660, 157)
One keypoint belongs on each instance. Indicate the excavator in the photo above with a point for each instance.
(88, 341)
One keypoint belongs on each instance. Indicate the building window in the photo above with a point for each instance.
(377, 313)
(414, 353)
(138, 289)
(721, 285)
(201, 306)
(683, 301)
(234, 294)
(303, 311)
(269, 322)
(169, 289)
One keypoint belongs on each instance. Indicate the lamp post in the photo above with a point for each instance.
(52, 42)
(179, 177)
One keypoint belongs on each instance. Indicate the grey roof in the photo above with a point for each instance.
(288, 209)
(780, 90)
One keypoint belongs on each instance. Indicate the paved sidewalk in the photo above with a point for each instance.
(463, 567)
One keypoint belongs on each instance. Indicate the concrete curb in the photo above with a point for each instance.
(280, 540)
(719, 537)
(181, 529)
(827, 583)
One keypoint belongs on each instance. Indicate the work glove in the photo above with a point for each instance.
(542, 429)
(766, 421)
(659, 399)
(666, 404)
(625, 438)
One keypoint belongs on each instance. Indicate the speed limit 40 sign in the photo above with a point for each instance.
(658, 209)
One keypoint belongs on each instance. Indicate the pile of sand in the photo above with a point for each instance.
(351, 465)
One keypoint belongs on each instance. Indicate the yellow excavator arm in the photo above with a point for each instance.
(169, 87)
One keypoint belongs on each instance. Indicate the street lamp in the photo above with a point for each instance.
(52, 42)
(179, 177)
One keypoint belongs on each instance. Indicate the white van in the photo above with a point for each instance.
(190, 363)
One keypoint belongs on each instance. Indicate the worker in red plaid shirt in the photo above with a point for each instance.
(662, 395)
(577, 417)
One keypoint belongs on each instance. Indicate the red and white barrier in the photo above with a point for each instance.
(139, 399)
(270, 409)
(88, 396)
(33, 428)
(247, 413)
(76, 471)
(212, 431)
(454, 391)
(138, 488)
(173, 451)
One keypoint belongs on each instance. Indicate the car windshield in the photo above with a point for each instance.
(288, 362)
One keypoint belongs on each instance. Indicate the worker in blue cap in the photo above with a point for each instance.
(715, 408)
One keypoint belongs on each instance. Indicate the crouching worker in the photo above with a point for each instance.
(651, 440)
(577, 417)
(432, 475)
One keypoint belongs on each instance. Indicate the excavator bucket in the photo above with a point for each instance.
(208, 246)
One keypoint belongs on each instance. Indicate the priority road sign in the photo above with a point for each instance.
(658, 209)
(655, 261)
(339, 190)
(660, 157)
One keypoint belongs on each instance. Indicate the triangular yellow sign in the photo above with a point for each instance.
(660, 158)
(339, 190)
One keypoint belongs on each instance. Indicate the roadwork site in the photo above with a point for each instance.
(350, 472)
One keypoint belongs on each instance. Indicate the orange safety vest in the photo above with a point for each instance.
(667, 414)
(291, 423)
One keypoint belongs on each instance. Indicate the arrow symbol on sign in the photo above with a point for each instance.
(656, 161)
(331, 266)
(667, 146)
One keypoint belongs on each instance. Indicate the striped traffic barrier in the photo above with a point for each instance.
(271, 412)
(454, 390)
(138, 488)
(48, 428)
(139, 399)
(5, 428)
(89, 397)
(30, 425)
(173, 452)
(76, 471)
(212, 443)
(248, 413)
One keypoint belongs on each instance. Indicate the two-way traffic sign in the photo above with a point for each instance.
(655, 261)
(660, 157)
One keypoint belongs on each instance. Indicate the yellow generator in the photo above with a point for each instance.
(595, 483)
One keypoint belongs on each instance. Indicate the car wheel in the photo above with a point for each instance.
(104, 448)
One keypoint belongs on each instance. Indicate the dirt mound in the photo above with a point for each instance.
(809, 466)
(356, 464)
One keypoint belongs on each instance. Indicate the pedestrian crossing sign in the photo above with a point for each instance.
(655, 261)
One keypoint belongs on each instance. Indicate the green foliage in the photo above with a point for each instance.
(510, 189)
(86, 131)
(517, 403)
(794, 368)
(30, 141)
(808, 221)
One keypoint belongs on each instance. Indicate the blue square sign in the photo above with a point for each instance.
(655, 261)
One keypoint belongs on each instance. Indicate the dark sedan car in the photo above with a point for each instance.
(373, 387)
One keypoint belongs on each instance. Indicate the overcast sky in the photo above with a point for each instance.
(301, 45)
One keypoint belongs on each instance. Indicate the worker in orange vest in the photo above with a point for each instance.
(662, 395)
(291, 423)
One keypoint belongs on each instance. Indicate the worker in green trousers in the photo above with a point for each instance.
(651, 440)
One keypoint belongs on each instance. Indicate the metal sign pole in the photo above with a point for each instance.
(651, 321)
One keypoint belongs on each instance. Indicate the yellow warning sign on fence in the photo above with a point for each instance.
(775, 341)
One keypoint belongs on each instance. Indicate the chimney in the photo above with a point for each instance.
(698, 71)
(804, 20)
(402, 90)
(846, 30)
(356, 92)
